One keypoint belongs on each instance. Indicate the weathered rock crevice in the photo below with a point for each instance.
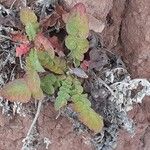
(135, 37)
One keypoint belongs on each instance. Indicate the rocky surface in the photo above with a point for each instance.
(135, 37)
(114, 18)
(141, 138)
(58, 132)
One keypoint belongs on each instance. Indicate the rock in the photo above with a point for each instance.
(113, 22)
(95, 24)
(140, 140)
(59, 131)
(135, 36)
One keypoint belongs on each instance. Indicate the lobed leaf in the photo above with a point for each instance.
(29, 19)
(56, 65)
(77, 46)
(41, 40)
(61, 100)
(78, 30)
(48, 84)
(33, 82)
(27, 16)
(64, 93)
(89, 117)
(31, 30)
(76, 88)
(77, 22)
(71, 43)
(22, 49)
(81, 99)
(83, 107)
(33, 63)
(16, 90)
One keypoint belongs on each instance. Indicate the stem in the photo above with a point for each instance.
(35, 118)
(12, 4)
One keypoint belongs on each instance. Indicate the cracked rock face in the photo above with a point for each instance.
(113, 23)
(135, 36)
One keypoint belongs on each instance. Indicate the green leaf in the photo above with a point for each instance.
(32, 61)
(64, 93)
(77, 22)
(77, 62)
(71, 89)
(38, 95)
(83, 107)
(61, 101)
(16, 90)
(48, 84)
(89, 117)
(47, 88)
(78, 89)
(27, 16)
(56, 65)
(77, 46)
(33, 82)
(29, 19)
(78, 29)
(31, 30)
(82, 100)
(71, 42)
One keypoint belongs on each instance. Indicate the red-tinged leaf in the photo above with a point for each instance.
(57, 45)
(16, 90)
(85, 65)
(80, 8)
(42, 41)
(33, 63)
(59, 9)
(22, 49)
(65, 17)
(77, 22)
(33, 81)
(20, 38)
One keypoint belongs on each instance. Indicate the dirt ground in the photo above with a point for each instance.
(124, 26)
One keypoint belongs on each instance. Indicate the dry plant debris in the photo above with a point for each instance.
(50, 52)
